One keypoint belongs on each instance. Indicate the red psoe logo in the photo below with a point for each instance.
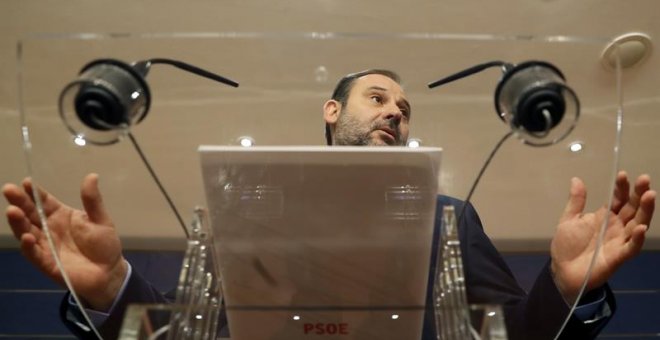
(321, 328)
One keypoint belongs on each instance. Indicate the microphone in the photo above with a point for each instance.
(110, 96)
(532, 98)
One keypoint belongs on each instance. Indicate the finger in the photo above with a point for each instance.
(646, 208)
(48, 202)
(29, 248)
(634, 246)
(19, 198)
(39, 257)
(18, 222)
(92, 200)
(621, 192)
(629, 210)
(576, 200)
(642, 185)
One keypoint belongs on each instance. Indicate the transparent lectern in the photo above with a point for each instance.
(321, 241)
(285, 79)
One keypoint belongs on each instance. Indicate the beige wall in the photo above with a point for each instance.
(520, 196)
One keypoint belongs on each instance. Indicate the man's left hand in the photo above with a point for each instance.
(577, 234)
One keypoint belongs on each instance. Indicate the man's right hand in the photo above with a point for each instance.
(85, 241)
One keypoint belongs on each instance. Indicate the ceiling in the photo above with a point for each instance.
(287, 55)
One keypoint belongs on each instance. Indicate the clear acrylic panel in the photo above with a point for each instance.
(143, 321)
(284, 80)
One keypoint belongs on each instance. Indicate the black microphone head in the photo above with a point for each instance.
(98, 108)
(109, 96)
(536, 102)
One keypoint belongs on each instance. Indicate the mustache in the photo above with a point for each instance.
(390, 125)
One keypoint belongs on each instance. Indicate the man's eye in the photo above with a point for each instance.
(377, 99)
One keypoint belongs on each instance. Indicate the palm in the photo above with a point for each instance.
(82, 246)
(575, 244)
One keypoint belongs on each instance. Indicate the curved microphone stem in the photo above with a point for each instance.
(158, 183)
(481, 173)
(143, 68)
(470, 71)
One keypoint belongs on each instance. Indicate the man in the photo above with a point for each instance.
(377, 113)
(367, 108)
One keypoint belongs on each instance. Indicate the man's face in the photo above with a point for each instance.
(376, 113)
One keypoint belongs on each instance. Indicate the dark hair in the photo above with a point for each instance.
(344, 86)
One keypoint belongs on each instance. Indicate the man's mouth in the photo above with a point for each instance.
(390, 132)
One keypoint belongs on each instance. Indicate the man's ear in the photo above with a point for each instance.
(331, 110)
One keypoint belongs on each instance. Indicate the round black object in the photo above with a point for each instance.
(99, 109)
(529, 113)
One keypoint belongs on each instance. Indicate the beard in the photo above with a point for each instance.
(351, 131)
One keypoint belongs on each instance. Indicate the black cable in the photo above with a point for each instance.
(193, 69)
(469, 71)
(160, 186)
(481, 172)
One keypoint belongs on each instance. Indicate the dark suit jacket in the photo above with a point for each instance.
(535, 315)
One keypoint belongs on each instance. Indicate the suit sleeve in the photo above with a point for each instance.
(137, 290)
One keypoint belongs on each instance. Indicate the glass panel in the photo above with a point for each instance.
(284, 81)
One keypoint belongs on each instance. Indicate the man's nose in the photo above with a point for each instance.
(394, 114)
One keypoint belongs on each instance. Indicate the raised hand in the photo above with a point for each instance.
(575, 241)
(85, 241)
